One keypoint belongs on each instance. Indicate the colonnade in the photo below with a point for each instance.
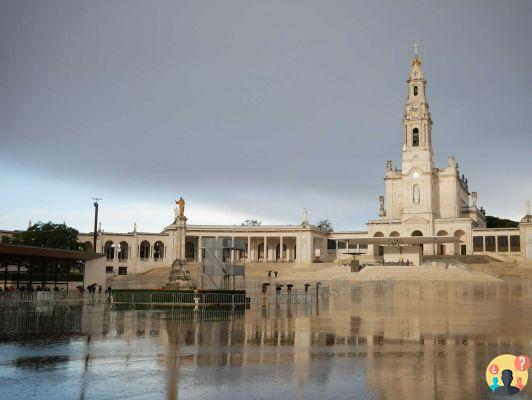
(257, 248)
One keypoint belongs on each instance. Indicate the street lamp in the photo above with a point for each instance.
(95, 233)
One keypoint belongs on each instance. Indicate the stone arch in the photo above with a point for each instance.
(417, 232)
(189, 250)
(87, 246)
(378, 250)
(158, 250)
(442, 248)
(123, 252)
(109, 250)
(395, 234)
(460, 248)
(144, 250)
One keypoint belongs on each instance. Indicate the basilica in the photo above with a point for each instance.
(426, 210)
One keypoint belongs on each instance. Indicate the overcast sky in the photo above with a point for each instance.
(252, 109)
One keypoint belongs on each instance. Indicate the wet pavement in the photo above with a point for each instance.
(366, 341)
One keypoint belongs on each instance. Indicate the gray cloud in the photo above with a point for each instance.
(264, 105)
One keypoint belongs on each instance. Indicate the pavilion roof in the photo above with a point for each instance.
(45, 252)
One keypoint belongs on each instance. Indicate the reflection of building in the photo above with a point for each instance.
(433, 336)
(421, 200)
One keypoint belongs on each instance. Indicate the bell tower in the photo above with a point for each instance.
(417, 123)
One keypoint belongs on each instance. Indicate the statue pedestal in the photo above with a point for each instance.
(179, 276)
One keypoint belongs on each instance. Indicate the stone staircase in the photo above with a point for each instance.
(155, 278)
(468, 259)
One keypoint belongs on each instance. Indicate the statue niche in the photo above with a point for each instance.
(416, 195)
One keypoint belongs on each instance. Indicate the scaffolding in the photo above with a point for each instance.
(221, 266)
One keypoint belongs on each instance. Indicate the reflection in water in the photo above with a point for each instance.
(370, 341)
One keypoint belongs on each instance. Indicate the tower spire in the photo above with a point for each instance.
(417, 123)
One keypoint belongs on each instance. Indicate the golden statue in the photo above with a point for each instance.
(181, 204)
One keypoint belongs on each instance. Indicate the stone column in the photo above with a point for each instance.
(200, 251)
(281, 248)
(181, 225)
(265, 249)
(248, 255)
(297, 259)
(232, 249)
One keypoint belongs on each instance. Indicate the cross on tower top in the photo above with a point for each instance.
(416, 46)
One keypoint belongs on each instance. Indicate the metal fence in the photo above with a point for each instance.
(35, 301)
(176, 299)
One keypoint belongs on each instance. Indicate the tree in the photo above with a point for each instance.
(251, 222)
(325, 225)
(494, 222)
(56, 236)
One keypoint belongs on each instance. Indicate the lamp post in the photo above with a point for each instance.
(95, 234)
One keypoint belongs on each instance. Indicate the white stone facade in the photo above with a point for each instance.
(145, 251)
(422, 200)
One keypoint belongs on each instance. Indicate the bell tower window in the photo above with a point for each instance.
(415, 137)
(415, 90)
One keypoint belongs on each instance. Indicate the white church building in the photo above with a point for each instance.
(426, 209)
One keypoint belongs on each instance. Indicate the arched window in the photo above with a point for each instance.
(88, 247)
(415, 137)
(109, 250)
(123, 251)
(415, 90)
(378, 250)
(144, 250)
(158, 250)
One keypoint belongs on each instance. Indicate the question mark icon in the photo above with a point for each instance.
(522, 363)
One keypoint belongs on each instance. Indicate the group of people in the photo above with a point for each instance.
(275, 273)
(289, 286)
(28, 288)
(92, 288)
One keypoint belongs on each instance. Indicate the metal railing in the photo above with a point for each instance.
(177, 299)
(26, 301)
